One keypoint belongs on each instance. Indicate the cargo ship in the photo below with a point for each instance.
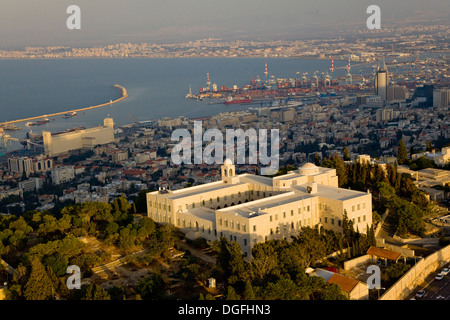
(231, 100)
(43, 121)
(37, 123)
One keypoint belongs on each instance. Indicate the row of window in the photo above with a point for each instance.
(358, 206)
(299, 211)
(225, 198)
(339, 222)
(292, 225)
(232, 225)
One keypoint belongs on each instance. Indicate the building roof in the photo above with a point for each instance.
(383, 253)
(345, 283)
(309, 165)
(340, 194)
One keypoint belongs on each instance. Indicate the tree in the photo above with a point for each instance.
(284, 289)
(332, 292)
(141, 201)
(112, 228)
(231, 294)
(58, 284)
(346, 154)
(337, 163)
(57, 263)
(249, 294)
(316, 159)
(39, 285)
(402, 153)
(230, 261)
(95, 292)
(265, 260)
(347, 228)
(311, 246)
(151, 287)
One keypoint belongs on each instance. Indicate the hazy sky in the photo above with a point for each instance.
(43, 22)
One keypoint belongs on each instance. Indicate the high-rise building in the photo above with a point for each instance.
(441, 98)
(397, 93)
(21, 165)
(385, 114)
(382, 82)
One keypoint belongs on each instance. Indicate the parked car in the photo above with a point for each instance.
(420, 294)
(439, 277)
(445, 271)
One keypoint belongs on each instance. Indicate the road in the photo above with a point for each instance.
(435, 289)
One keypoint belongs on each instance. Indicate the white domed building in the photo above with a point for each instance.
(250, 208)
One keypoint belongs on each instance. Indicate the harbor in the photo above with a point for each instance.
(43, 119)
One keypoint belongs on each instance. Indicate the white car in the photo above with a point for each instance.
(439, 277)
(420, 294)
(445, 271)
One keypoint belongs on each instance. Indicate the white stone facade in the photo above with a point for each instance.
(249, 209)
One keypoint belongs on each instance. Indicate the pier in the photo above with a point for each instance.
(123, 92)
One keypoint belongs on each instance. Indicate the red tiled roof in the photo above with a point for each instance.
(383, 253)
(346, 284)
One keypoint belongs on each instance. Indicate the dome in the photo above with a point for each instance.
(309, 165)
(228, 162)
(309, 169)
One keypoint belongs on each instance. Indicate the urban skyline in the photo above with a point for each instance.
(105, 22)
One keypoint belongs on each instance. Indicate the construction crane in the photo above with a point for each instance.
(5, 139)
(327, 79)
(133, 118)
(304, 78)
(316, 78)
(349, 76)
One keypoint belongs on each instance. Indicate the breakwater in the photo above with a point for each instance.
(123, 92)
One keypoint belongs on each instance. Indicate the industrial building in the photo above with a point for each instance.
(59, 143)
(250, 209)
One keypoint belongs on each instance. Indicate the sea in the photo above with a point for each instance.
(156, 87)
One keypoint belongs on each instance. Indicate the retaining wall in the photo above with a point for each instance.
(417, 274)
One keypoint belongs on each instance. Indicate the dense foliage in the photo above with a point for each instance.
(277, 270)
(40, 246)
(390, 189)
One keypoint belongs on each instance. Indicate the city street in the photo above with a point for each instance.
(434, 289)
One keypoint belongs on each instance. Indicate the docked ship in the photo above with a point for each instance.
(9, 127)
(70, 114)
(43, 121)
(37, 123)
(231, 100)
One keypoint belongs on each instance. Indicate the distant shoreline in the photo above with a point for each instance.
(123, 92)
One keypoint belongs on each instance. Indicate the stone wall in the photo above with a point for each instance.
(416, 275)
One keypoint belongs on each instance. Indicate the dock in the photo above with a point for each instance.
(123, 92)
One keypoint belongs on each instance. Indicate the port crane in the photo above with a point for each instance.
(349, 76)
(5, 139)
(133, 118)
(316, 78)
